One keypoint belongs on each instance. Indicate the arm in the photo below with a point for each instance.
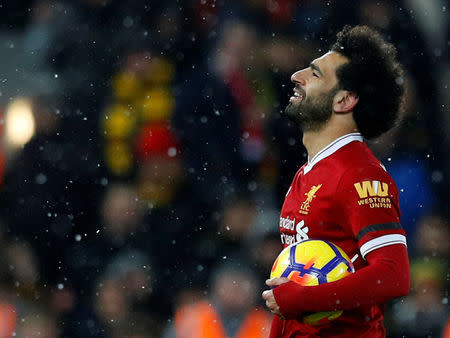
(381, 241)
(386, 277)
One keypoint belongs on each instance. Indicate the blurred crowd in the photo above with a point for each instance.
(144, 201)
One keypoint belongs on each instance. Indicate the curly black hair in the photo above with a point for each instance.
(374, 74)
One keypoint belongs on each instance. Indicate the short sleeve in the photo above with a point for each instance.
(368, 206)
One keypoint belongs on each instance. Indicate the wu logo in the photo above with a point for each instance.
(371, 189)
(304, 209)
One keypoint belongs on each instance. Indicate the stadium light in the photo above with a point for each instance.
(19, 123)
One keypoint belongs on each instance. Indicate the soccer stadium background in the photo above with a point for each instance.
(144, 156)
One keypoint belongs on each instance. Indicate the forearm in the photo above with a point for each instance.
(386, 277)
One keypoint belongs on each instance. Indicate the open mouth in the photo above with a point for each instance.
(298, 96)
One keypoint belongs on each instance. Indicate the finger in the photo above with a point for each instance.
(272, 307)
(266, 294)
(272, 282)
(276, 281)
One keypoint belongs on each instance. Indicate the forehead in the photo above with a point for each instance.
(330, 61)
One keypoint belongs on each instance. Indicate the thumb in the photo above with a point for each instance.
(276, 281)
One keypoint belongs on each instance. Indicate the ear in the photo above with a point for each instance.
(344, 101)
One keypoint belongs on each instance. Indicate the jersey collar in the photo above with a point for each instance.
(331, 148)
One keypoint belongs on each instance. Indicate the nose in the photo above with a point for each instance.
(298, 77)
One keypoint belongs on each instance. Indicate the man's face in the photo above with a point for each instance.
(311, 106)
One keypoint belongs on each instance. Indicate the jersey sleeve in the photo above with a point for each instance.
(369, 209)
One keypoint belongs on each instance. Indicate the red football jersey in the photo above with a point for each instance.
(343, 195)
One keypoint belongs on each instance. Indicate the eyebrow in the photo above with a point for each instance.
(316, 68)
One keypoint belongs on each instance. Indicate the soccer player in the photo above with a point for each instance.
(343, 194)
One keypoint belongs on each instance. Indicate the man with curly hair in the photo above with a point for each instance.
(352, 92)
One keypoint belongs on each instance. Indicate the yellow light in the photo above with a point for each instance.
(19, 123)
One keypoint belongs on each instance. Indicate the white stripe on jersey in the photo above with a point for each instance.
(331, 148)
(381, 241)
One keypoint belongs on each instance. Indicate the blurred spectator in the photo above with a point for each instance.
(411, 170)
(138, 328)
(38, 324)
(8, 317)
(428, 299)
(432, 239)
(141, 98)
(137, 273)
(401, 27)
(231, 233)
(264, 251)
(411, 177)
(121, 228)
(424, 313)
(222, 129)
(25, 305)
(50, 191)
(229, 311)
(122, 300)
(8, 306)
(23, 266)
(431, 20)
(102, 30)
(235, 232)
(276, 15)
(238, 218)
(160, 172)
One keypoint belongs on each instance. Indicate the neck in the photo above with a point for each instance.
(315, 141)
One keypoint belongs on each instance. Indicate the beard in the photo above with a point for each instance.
(313, 112)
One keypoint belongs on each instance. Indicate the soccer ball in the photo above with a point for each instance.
(313, 262)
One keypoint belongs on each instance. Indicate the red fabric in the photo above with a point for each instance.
(277, 327)
(251, 122)
(386, 277)
(346, 197)
(280, 11)
(8, 319)
(240, 89)
(447, 330)
(323, 203)
(206, 14)
(155, 139)
(356, 210)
